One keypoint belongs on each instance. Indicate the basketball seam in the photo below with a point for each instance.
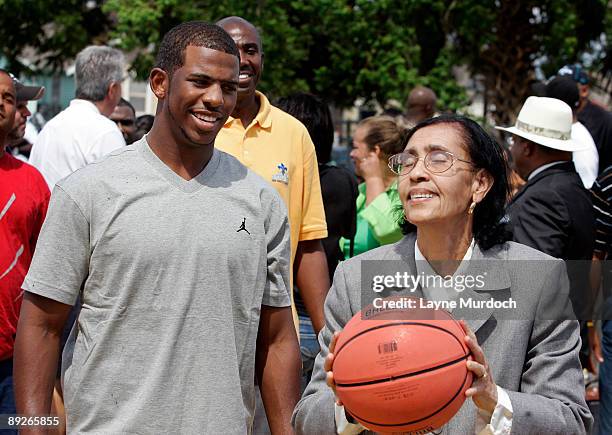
(420, 419)
(404, 375)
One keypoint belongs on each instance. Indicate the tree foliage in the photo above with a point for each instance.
(43, 34)
(340, 49)
(502, 40)
(376, 50)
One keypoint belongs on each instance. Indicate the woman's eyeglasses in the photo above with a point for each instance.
(435, 161)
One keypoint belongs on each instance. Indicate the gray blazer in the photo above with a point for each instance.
(535, 360)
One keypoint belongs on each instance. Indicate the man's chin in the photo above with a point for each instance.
(202, 141)
(245, 93)
(16, 136)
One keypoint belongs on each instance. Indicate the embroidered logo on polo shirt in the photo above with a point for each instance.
(281, 176)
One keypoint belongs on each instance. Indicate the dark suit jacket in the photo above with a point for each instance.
(553, 213)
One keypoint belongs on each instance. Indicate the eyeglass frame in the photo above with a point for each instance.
(454, 159)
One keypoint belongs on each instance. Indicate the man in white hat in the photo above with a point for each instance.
(553, 211)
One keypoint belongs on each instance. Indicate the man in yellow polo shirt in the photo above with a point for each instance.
(277, 147)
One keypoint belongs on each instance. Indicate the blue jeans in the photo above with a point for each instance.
(309, 347)
(7, 396)
(605, 380)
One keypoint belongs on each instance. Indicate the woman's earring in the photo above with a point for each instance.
(472, 207)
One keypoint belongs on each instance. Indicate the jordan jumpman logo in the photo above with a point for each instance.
(243, 227)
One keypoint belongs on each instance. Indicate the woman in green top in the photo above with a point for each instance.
(375, 140)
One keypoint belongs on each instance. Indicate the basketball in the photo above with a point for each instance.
(402, 370)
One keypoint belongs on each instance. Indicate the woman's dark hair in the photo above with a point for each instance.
(311, 111)
(489, 229)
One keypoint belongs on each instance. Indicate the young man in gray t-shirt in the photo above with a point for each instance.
(181, 258)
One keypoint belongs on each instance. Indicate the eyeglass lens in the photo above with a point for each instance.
(435, 161)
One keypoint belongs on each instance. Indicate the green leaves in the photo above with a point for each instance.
(376, 50)
(50, 31)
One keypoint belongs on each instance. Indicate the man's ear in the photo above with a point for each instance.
(377, 150)
(529, 148)
(114, 89)
(159, 81)
(583, 91)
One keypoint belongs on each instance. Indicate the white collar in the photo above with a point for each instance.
(419, 257)
(544, 167)
(84, 104)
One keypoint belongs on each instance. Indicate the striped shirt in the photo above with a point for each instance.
(602, 204)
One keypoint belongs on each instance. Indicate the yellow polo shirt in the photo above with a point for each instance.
(278, 148)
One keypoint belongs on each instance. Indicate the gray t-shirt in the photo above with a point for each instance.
(172, 275)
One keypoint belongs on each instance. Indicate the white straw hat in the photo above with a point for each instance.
(547, 122)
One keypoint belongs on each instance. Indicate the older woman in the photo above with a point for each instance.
(375, 140)
(527, 376)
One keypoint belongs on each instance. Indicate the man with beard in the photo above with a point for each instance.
(24, 196)
(17, 141)
(278, 147)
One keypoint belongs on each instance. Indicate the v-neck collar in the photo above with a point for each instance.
(187, 186)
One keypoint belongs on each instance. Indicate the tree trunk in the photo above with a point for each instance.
(507, 62)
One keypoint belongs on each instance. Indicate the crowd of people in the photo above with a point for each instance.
(191, 271)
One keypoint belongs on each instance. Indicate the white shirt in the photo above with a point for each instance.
(587, 160)
(76, 137)
(498, 423)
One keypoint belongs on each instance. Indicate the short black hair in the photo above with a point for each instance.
(124, 102)
(564, 88)
(171, 53)
(489, 227)
(316, 116)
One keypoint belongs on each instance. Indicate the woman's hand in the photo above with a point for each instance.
(327, 366)
(483, 390)
(369, 166)
(371, 172)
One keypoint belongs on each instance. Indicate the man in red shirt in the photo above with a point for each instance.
(24, 197)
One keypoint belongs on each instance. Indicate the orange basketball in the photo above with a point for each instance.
(402, 370)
